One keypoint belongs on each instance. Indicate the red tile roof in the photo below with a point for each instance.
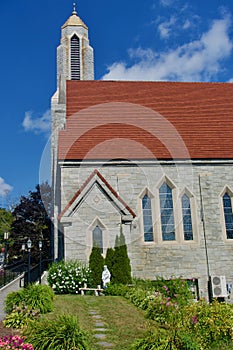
(144, 120)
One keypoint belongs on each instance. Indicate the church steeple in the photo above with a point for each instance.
(74, 20)
(74, 55)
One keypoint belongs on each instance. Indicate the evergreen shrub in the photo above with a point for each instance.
(121, 269)
(109, 259)
(96, 265)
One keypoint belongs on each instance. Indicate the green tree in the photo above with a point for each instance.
(6, 219)
(109, 259)
(32, 220)
(96, 265)
(121, 270)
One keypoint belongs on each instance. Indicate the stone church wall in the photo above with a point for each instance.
(208, 254)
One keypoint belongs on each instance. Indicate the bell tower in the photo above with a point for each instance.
(75, 61)
(74, 54)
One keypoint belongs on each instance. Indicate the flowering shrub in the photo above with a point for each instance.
(14, 342)
(210, 323)
(184, 324)
(176, 289)
(68, 277)
(140, 297)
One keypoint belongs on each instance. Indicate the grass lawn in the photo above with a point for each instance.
(123, 321)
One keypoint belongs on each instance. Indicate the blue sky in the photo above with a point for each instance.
(171, 40)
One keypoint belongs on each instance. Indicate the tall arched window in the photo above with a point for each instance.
(147, 219)
(166, 212)
(228, 215)
(75, 57)
(187, 218)
(97, 237)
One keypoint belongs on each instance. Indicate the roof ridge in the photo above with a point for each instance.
(80, 190)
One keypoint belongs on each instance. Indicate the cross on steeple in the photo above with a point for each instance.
(74, 9)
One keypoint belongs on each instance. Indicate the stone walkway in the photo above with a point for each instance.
(100, 330)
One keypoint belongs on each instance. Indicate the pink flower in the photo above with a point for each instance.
(194, 319)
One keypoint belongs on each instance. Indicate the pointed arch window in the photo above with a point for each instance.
(166, 212)
(228, 215)
(75, 57)
(147, 218)
(187, 218)
(97, 237)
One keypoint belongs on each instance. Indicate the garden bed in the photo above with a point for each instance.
(6, 332)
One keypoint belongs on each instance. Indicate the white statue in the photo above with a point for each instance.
(106, 275)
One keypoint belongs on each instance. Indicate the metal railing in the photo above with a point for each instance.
(10, 272)
(35, 273)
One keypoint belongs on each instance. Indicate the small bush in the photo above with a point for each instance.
(158, 340)
(161, 309)
(195, 326)
(211, 323)
(20, 316)
(116, 289)
(35, 296)
(68, 277)
(63, 333)
(139, 297)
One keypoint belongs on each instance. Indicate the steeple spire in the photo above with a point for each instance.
(74, 9)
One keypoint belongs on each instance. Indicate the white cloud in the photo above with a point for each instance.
(39, 124)
(4, 187)
(165, 27)
(187, 24)
(166, 2)
(199, 60)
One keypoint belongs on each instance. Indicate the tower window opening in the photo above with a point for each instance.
(75, 58)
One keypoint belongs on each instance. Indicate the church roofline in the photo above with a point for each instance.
(200, 114)
(110, 188)
(74, 20)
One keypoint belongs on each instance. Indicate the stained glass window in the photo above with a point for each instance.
(147, 219)
(228, 215)
(187, 218)
(166, 212)
(98, 238)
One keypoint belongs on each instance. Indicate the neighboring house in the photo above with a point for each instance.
(154, 158)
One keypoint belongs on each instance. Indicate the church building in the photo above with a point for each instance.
(153, 159)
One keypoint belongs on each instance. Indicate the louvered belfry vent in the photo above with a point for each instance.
(75, 58)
